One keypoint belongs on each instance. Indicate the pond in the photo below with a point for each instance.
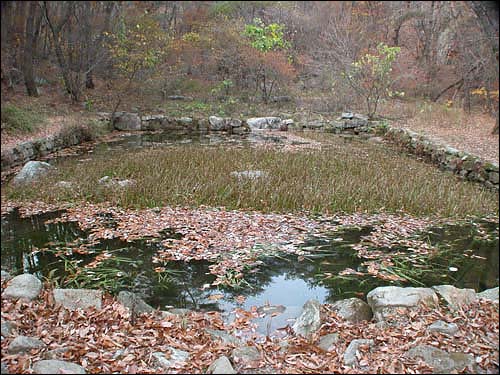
(30, 245)
(468, 256)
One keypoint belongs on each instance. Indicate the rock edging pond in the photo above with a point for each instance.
(393, 308)
(465, 165)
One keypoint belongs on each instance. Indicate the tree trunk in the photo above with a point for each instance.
(495, 129)
(487, 13)
(29, 47)
(71, 83)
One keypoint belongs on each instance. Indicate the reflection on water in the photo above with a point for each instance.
(279, 280)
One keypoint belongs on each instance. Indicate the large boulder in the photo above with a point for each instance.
(25, 286)
(354, 120)
(251, 175)
(224, 336)
(223, 123)
(264, 123)
(328, 341)
(31, 171)
(350, 357)
(5, 276)
(54, 366)
(443, 362)
(310, 320)
(386, 300)
(443, 327)
(22, 344)
(126, 121)
(175, 358)
(456, 298)
(490, 294)
(221, 366)
(248, 355)
(133, 302)
(7, 328)
(74, 299)
(353, 310)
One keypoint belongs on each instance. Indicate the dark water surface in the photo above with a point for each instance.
(278, 280)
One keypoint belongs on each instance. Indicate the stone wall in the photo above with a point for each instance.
(35, 149)
(465, 165)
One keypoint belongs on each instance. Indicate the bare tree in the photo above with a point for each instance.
(33, 21)
(487, 16)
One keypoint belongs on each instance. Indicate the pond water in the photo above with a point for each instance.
(470, 260)
(281, 280)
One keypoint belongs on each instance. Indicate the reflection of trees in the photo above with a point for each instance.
(182, 284)
(21, 236)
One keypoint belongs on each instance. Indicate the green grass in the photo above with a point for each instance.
(347, 178)
(19, 120)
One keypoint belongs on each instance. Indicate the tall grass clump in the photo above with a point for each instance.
(17, 120)
(336, 179)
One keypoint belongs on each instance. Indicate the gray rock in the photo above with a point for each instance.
(493, 177)
(4, 369)
(245, 354)
(350, 353)
(125, 183)
(31, 171)
(443, 327)
(54, 366)
(104, 180)
(491, 294)
(22, 344)
(451, 151)
(25, 286)
(455, 297)
(175, 358)
(5, 276)
(248, 174)
(226, 337)
(133, 302)
(353, 310)
(443, 362)
(110, 182)
(74, 299)
(223, 123)
(264, 122)
(7, 328)
(64, 184)
(221, 366)
(386, 299)
(166, 314)
(179, 311)
(185, 121)
(326, 342)
(127, 121)
(217, 123)
(310, 320)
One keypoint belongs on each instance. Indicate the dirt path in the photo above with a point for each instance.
(474, 136)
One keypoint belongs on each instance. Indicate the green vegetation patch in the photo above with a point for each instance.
(19, 120)
(353, 178)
